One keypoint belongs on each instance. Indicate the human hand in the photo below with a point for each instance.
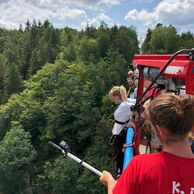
(131, 123)
(106, 178)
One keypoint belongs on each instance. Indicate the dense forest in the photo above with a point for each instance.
(53, 86)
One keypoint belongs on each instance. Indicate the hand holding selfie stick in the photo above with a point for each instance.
(64, 148)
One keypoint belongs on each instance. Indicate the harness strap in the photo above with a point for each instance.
(121, 123)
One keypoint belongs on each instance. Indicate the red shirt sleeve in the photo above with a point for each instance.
(128, 181)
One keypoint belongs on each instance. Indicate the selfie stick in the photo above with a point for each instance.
(64, 148)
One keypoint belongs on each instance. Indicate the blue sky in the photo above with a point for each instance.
(142, 14)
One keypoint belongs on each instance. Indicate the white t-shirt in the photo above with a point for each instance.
(123, 113)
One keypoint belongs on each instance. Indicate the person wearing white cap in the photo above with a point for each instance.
(122, 115)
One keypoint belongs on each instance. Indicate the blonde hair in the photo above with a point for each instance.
(118, 91)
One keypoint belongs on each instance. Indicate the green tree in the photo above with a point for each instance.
(171, 43)
(10, 111)
(161, 40)
(16, 156)
(59, 176)
(2, 75)
(98, 155)
(89, 49)
(68, 53)
(68, 36)
(127, 42)
(67, 77)
(28, 25)
(146, 45)
(72, 112)
(103, 39)
(90, 31)
(34, 63)
(2, 40)
(13, 80)
(187, 40)
(157, 40)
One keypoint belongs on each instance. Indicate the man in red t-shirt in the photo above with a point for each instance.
(168, 172)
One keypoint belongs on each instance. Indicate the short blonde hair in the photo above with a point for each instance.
(118, 91)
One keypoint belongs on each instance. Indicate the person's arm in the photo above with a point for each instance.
(131, 123)
(128, 182)
(108, 180)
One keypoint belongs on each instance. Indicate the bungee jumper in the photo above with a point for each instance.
(122, 116)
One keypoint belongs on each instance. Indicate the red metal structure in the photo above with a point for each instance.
(175, 73)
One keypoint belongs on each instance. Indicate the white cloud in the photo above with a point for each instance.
(95, 21)
(146, 1)
(110, 3)
(177, 12)
(81, 3)
(68, 13)
(143, 16)
(15, 12)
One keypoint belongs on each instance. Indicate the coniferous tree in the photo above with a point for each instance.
(2, 77)
(146, 46)
(28, 25)
(13, 79)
